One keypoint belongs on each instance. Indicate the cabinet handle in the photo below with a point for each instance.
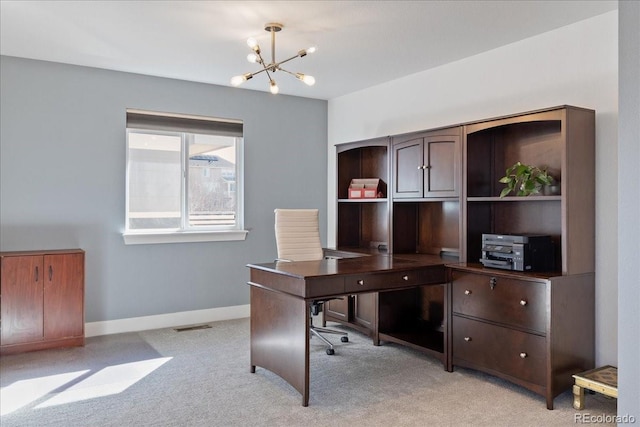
(523, 302)
(50, 273)
(467, 292)
(420, 167)
(405, 277)
(37, 273)
(467, 339)
(360, 282)
(492, 283)
(523, 355)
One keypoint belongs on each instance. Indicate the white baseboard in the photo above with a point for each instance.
(168, 320)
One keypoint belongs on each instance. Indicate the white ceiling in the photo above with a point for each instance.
(360, 43)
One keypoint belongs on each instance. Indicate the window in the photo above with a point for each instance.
(184, 178)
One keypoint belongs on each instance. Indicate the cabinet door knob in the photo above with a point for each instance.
(405, 277)
(523, 355)
(523, 302)
(467, 292)
(467, 339)
(420, 167)
(492, 282)
(360, 282)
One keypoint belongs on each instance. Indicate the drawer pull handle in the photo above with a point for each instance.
(405, 277)
(523, 355)
(467, 292)
(360, 282)
(523, 302)
(467, 339)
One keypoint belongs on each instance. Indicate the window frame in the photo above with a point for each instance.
(186, 233)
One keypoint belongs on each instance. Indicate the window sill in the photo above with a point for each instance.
(150, 238)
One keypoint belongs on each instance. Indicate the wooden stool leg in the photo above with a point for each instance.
(578, 397)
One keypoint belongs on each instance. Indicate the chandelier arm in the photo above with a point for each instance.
(277, 65)
(261, 59)
(268, 75)
(287, 71)
(258, 72)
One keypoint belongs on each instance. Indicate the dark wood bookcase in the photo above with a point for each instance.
(443, 194)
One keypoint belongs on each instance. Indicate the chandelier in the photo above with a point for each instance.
(273, 66)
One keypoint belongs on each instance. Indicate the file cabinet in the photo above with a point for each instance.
(535, 330)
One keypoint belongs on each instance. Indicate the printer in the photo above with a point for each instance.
(524, 252)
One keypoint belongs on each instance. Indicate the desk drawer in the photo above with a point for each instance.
(382, 281)
(513, 302)
(500, 349)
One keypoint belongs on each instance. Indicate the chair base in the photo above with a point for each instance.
(317, 331)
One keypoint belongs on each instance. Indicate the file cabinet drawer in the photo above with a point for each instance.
(499, 299)
(515, 353)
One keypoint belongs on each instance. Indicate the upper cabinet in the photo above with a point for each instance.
(426, 164)
(560, 140)
(444, 188)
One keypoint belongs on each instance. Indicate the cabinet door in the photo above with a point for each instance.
(337, 309)
(22, 288)
(64, 296)
(408, 168)
(442, 167)
(364, 310)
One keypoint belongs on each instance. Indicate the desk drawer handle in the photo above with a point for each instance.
(523, 302)
(492, 283)
(405, 277)
(467, 339)
(467, 292)
(361, 282)
(523, 355)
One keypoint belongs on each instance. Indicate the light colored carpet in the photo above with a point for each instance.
(201, 378)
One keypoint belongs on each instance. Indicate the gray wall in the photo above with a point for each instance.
(629, 210)
(62, 181)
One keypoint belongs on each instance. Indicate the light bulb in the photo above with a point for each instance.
(252, 43)
(237, 80)
(252, 57)
(304, 52)
(309, 80)
(274, 87)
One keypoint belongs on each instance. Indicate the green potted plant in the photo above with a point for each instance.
(525, 180)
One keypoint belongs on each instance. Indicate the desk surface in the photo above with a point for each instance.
(345, 266)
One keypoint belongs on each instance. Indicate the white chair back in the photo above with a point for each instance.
(298, 235)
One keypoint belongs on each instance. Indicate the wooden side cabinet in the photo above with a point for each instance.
(535, 331)
(41, 300)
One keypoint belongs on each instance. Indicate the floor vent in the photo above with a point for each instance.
(192, 328)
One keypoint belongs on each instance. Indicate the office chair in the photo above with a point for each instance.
(298, 239)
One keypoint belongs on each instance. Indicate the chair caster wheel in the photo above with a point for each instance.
(330, 352)
(344, 339)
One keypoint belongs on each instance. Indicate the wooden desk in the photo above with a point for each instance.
(282, 292)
